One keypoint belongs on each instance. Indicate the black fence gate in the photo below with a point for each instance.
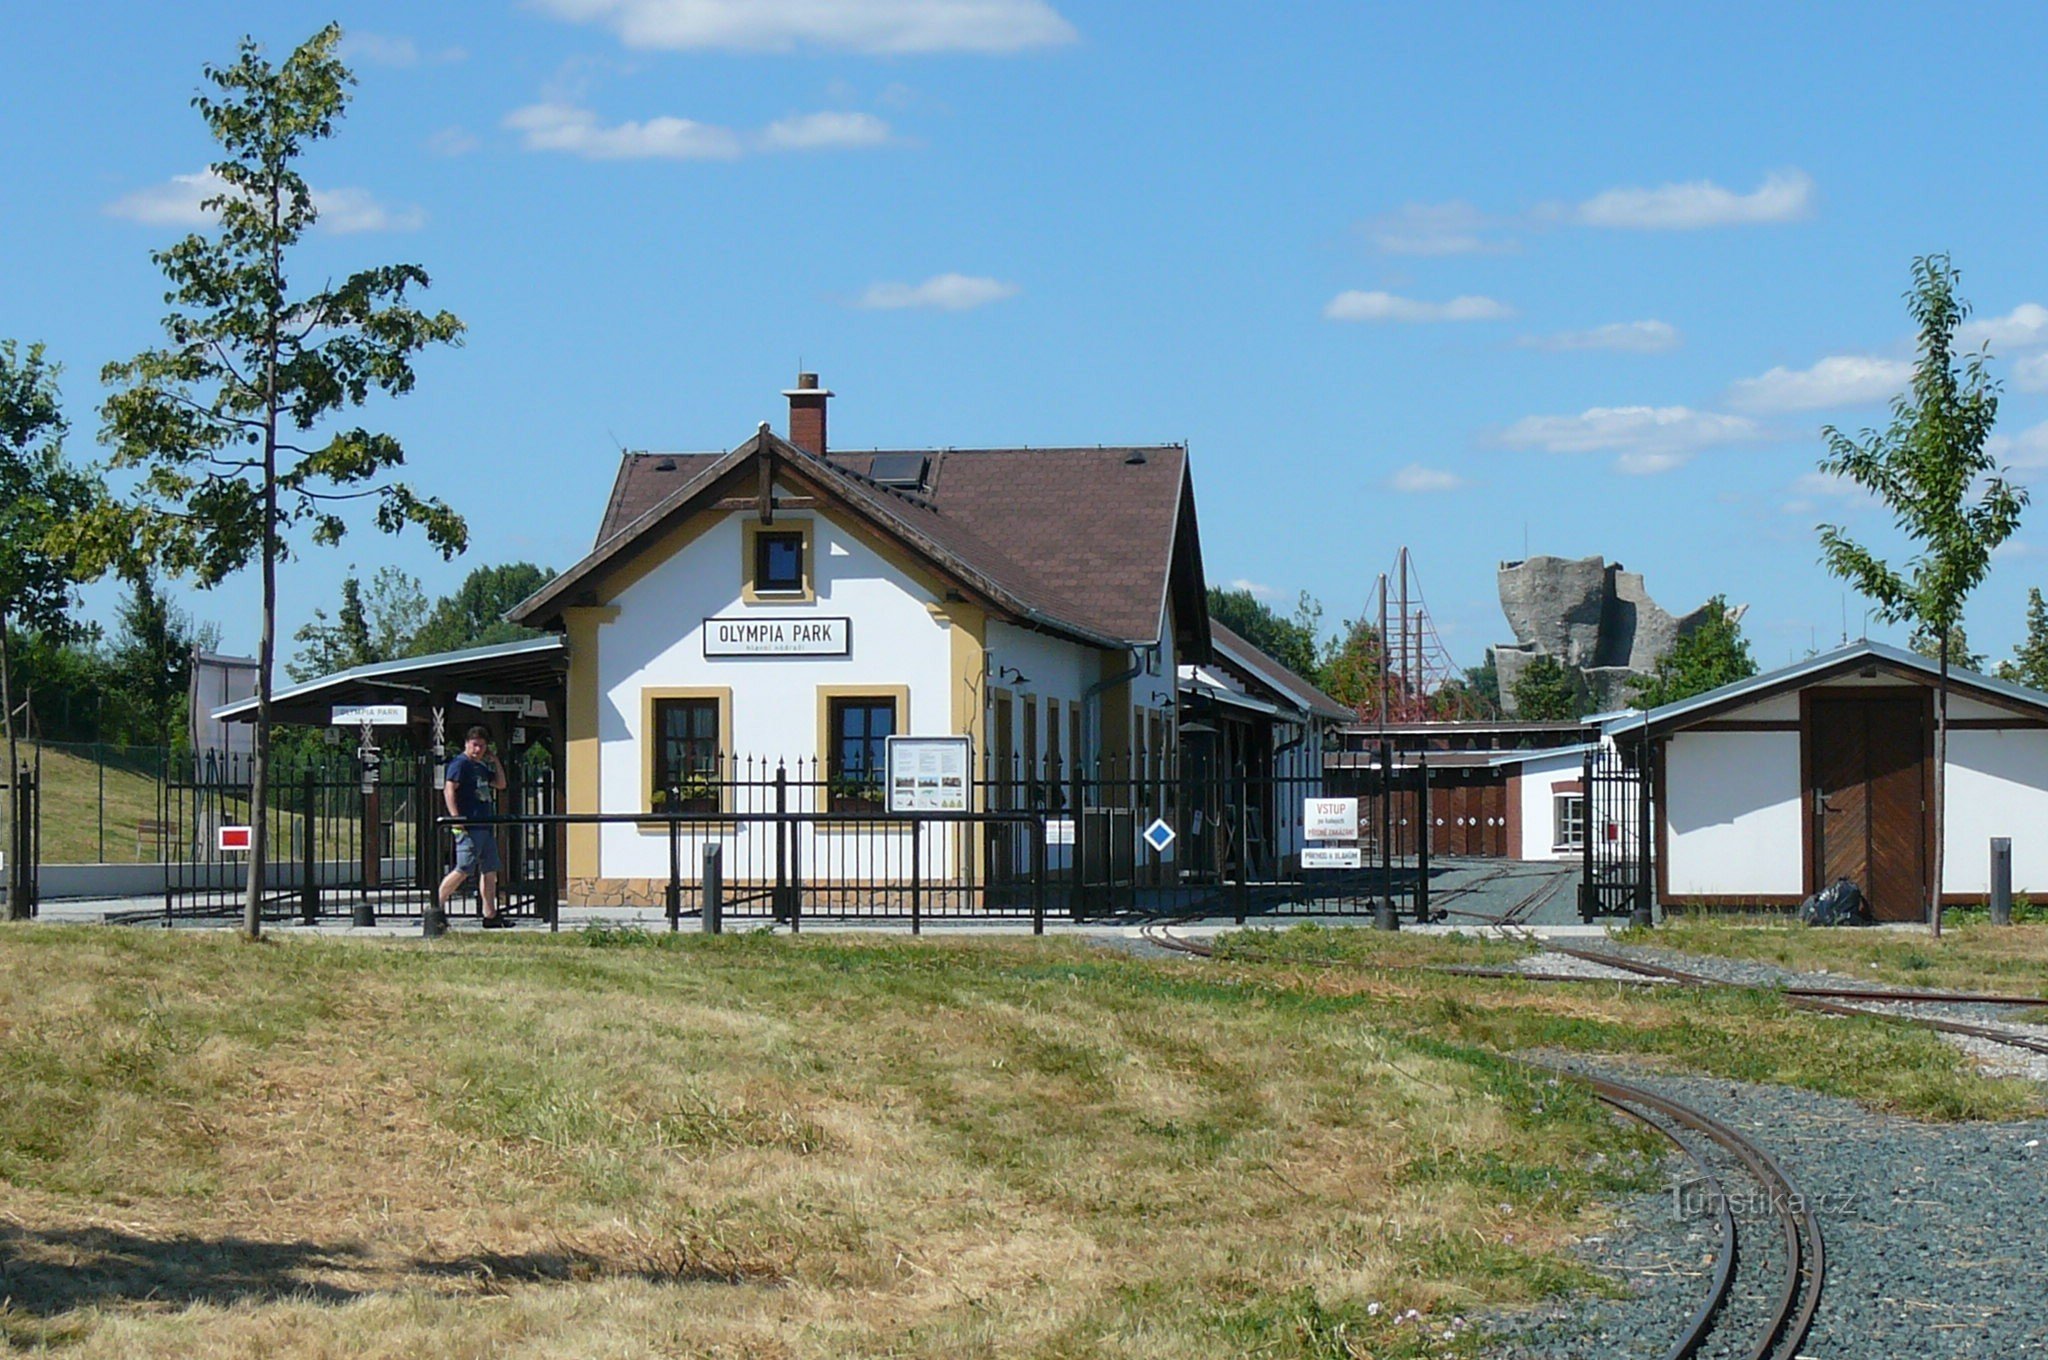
(19, 885)
(343, 839)
(1617, 834)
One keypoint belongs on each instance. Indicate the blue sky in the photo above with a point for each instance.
(1463, 277)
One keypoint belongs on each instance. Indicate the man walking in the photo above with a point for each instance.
(474, 777)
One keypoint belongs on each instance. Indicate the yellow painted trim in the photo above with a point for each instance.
(968, 670)
(750, 530)
(582, 754)
(648, 695)
(899, 694)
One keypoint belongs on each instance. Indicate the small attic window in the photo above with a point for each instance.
(778, 562)
(665, 465)
(905, 471)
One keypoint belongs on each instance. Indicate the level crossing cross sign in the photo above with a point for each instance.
(1159, 835)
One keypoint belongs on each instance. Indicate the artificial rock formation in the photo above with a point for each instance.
(1591, 615)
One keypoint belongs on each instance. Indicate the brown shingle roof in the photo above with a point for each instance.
(1084, 536)
(1266, 669)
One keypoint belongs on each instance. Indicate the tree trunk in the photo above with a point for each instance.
(1940, 787)
(259, 770)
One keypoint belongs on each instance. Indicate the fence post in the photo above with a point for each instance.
(1242, 897)
(433, 921)
(781, 901)
(714, 889)
(1422, 829)
(1038, 858)
(916, 874)
(1641, 914)
(1384, 917)
(2001, 880)
(1589, 891)
(309, 865)
(99, 757)
(796, 878)
(1074, 858)
(675, 861)
(550, 853)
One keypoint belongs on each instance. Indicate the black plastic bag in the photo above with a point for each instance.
(1839, 904)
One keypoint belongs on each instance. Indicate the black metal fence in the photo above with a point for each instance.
(1618, 859)
(341, 840)
(21, 793)
(1138, 834)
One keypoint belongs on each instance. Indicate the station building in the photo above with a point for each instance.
(787, 604)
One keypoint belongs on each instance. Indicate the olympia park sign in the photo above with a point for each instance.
(778, 637)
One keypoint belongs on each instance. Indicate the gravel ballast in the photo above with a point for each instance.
(1935, 1235)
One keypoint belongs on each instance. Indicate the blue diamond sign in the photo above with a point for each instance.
(1159, 835)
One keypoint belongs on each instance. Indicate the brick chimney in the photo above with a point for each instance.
(807, 414)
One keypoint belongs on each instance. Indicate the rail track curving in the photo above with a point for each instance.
(1776, 1324)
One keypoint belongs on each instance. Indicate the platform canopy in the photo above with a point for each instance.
(464, 680)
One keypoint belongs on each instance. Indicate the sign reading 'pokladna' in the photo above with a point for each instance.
(778, 637)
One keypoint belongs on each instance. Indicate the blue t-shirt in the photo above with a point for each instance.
(474, 783)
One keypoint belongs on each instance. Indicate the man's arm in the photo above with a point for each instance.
(497, 771)
(448, 797)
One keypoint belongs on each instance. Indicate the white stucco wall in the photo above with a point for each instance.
(1733, 814)
(1536, 792)
(1997, 786)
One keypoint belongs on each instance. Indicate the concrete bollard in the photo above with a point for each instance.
(714, 891)
(2001, 880)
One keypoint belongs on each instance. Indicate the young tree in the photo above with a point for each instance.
(1928, 645)
(1544, 692)
(2029, 664)
(1350, 670)
(229, 424)
(1291, 642)
(37, 493)
(149, 663)
(1710, 656)
(1945, 493)
(1483, 682)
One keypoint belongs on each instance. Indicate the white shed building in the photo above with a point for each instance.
(1774, 786)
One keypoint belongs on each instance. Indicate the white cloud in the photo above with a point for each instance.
(1453, 228)
(381, 49)
(875, 26)
(823, 131)
(1633, 337)
(453, 141)
(577, 131)
(1645, 439)
(1838, 380)
(1784, 196)
(2031, 374)
(939, 293)
(1416, 479)
(176, 203)
(2024, 327)
(2027, 449)
(1814, 491)
(564, 127)
(1357, 306)
(1264, 592)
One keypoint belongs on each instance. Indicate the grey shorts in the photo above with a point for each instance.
(476, 851)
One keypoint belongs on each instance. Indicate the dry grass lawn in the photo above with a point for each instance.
(618, 1145)
(1970, 955)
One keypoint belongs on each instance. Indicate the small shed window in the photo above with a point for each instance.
(1568, 817)
(779, 562)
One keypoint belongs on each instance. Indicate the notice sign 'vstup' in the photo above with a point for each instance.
(1329, 819)
(778, 637)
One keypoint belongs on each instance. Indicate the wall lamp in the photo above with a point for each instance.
(1012, 675)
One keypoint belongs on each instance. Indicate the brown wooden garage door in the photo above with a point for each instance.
(1867, 797)
(1469, 817)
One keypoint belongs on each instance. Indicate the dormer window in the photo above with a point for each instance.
(778, 563)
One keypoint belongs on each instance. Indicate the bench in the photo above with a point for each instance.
(151, 829)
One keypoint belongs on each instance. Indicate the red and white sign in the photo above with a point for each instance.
(229, 839)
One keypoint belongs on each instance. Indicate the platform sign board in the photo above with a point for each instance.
(233, 840)
(369, 715)
(778, 637)
(504, 703)
(930, 774)
(1331, 857)
(1329, 819)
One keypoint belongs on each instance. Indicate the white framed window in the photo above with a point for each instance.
(1568, 821)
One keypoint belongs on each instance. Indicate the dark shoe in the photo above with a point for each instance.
(498, 922)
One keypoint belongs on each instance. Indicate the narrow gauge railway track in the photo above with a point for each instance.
(1548, 886)
(1801, 1257)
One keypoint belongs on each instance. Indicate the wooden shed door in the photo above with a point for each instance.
(1868, 762)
